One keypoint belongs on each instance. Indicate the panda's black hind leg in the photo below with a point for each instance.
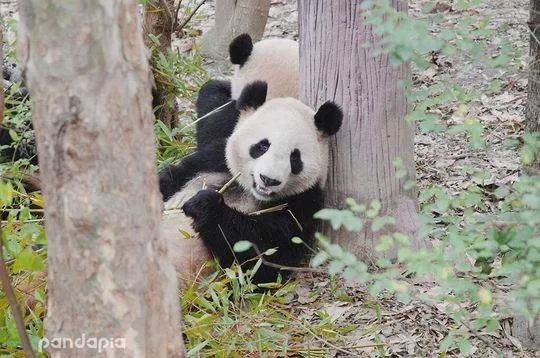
(218, 125)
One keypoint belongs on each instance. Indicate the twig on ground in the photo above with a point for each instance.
(260, 255)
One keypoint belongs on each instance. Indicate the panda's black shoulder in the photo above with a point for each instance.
(213, 93)
(218, 125)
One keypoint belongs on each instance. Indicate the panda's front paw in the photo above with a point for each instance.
(204, 205)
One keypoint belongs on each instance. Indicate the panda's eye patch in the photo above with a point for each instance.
(258, 149)
(296, 162)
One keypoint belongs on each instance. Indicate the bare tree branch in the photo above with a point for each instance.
(185, 22)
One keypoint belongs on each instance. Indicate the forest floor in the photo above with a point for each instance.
(415, 328)
(441, 160)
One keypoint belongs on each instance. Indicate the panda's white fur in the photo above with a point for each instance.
(274, 61)
(287, 124)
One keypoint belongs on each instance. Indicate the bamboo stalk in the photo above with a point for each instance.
(229, 183)
(296, 220)
(273, 209)
(206, 115)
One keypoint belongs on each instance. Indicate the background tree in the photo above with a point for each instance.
(233, 18)
(335, 65)
(533, 103)
(90, 88)
(1, 68)
(528, 331)
(160, 20)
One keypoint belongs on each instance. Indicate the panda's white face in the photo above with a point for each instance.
(278, 150)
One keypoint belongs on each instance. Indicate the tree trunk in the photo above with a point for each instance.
(108, 274)
(2, 70)
(533, 103)
(232, 19)
(159, 20)
(335, 65)
(528, 331)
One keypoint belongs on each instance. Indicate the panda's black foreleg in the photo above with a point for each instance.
(220, 227)
(208, 159)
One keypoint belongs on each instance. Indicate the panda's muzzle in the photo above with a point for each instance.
(264, 187)
(269, 181)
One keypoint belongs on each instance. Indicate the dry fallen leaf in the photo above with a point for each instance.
(443, 163)
(441, 7)
(337, 309)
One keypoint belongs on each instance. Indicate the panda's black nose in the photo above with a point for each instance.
(269, 181)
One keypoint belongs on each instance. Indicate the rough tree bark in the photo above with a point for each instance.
(528, 331)
(533, 103)
(108, 273)
(160, 21)
(1, 70)
(334, 64)
(232, 19)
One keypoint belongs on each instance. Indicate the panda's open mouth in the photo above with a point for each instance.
(263, 191)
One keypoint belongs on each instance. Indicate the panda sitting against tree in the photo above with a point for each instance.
(274, 147)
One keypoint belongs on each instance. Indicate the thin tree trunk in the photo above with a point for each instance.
(108, 273)
(533, 103)
(232, 19)
(159, 21)
(526, 330)
(2, 69)
(335, 65)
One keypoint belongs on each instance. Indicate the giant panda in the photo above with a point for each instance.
(279, 147)
(274, 61)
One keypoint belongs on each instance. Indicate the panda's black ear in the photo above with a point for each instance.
(240, 49)
(253, 96)
(328, 118)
